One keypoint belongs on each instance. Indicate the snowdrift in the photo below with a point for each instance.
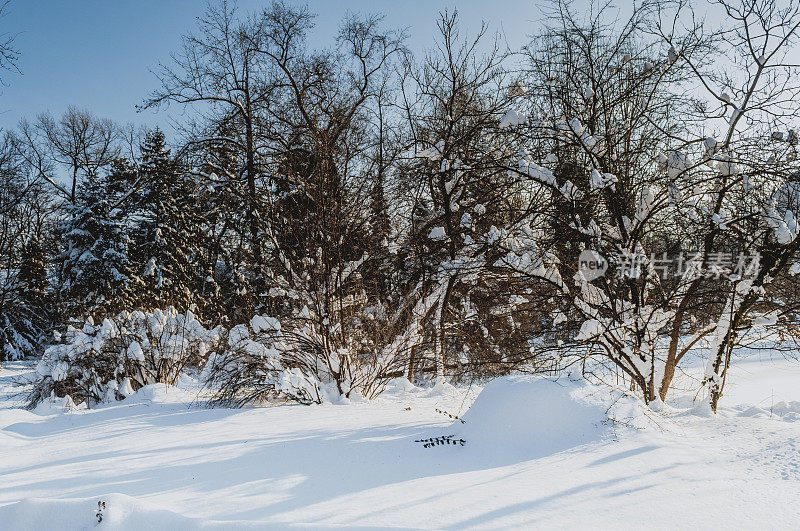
(530, 417)
(165, 394)
(786, 411)
(121, 512)
(160, 394)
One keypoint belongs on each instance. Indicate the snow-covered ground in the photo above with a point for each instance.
(537, 453)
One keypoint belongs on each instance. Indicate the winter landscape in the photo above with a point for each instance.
(381, 266)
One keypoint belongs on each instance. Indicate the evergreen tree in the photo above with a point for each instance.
(227, 290)
(94, 266)
(19, 334)
(167, 229)
(23, 300)
(33, 275)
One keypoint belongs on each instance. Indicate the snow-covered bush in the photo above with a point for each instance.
(267, 360)
(113, 359)
(252, 367)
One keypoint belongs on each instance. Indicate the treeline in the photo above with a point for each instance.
(337, 217)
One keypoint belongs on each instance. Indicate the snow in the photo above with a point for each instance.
(676, 163)
(599, 180)
(511, 118)
(590, 328)
(433, 153)
(672, 55)
(539, 452)
(437, 234)
(769, 319)
(785, 230)
(265, 323)
(122, 512)
(554, 418)
(727, 167)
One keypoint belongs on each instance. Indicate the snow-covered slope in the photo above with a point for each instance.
(537, 453)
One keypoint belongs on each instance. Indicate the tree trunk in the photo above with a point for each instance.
(441, 322)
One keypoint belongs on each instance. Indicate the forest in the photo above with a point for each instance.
(330, 217)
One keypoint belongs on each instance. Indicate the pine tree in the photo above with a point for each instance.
(167, 229)
(20, 323)
(226, 290)
(94, 266)
(33, 275)
(19, 335)
(25, 312)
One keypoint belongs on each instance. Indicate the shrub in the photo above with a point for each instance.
(260, 363)
(266, 360)
(114, 359)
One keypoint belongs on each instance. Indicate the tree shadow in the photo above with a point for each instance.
(232, 464)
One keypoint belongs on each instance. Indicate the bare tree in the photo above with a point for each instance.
(319, 134)
(457, 191)
(9, 55)
(220, 74)
(754, 165)
(636, 171)
(78, 144)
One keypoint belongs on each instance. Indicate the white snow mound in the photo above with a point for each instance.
(161, 394)
(531, 415)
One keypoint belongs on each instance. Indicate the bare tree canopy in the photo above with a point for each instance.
(9, 55)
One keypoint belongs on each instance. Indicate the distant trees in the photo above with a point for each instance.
(25, 241)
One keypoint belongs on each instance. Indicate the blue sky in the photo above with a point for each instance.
(97, 54)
